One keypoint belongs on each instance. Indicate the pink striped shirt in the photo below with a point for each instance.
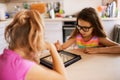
(93, 42)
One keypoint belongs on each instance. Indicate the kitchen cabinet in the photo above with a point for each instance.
(108, 24)
(53, 31)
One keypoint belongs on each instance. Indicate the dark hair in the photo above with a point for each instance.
(90, 15)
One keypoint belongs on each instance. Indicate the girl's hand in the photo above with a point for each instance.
(58, 45)
(48, 45)
(92, 50)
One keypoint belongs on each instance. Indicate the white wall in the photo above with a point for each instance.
(3, 6)
(73, 6)
(70, 6)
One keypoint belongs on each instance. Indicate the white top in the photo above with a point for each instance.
(95, 67)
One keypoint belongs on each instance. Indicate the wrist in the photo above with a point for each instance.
(60, 48)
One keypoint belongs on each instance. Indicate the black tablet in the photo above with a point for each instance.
(67, 57)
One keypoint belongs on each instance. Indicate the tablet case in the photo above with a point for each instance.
(67, 57)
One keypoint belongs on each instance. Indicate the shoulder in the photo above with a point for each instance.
(36, 72)
(15, 59)
(95, 37)
(18, 66)
(107, 42)
(39, 72)
(101, 39)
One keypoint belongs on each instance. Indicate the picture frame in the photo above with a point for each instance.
(68, 58)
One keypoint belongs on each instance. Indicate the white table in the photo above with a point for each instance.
(95, 67)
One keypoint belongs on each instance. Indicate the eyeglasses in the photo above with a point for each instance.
(84, 28)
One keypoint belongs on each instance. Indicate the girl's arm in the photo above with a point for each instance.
(38, 72)
(111, 49)
(107, 42)
(65, 45)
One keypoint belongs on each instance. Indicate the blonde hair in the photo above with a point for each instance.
(26, 32)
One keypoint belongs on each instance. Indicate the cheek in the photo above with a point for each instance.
(81, 31)
(91, 31)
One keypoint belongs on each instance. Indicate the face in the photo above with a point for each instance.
(85, 28)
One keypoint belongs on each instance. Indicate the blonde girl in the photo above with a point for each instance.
(25, 39)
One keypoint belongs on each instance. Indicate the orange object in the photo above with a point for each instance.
(41, 7)
(99, 8)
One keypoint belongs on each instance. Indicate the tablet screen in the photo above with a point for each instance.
(67, 58)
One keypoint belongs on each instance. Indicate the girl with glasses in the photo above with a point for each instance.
(88, 33)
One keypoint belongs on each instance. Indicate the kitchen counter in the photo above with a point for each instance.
(69, 19)
(60, 19)
(95, 67)
(49, 19)
(7, 20)
(74, 19)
